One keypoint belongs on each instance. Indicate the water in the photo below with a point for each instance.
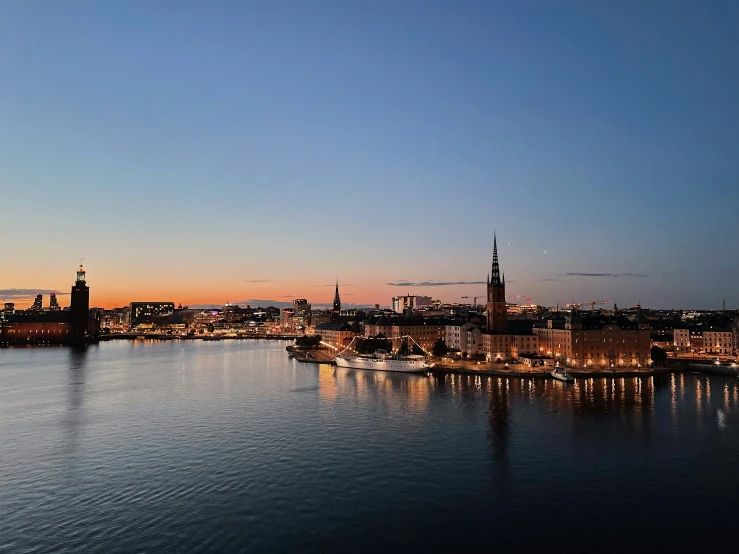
(231, 446)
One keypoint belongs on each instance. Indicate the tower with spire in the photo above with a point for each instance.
(79, 308)
(495, 309)
(337, 300)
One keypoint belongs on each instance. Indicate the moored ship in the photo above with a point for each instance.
(381, 360)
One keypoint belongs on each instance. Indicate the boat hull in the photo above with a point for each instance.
(399, 366)
(563, 378)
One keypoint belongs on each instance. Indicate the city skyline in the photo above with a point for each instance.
(401, 288)
(204, 154)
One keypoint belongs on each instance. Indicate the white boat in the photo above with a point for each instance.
(562, 375)
(383, 361)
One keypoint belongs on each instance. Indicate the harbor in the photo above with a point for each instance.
(321, 356)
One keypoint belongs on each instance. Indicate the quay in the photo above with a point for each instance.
(145, 336)
(522, 370)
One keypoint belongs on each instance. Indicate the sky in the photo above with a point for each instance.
(205, 152)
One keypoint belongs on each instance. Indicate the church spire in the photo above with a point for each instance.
(496, 267)
(337, 300)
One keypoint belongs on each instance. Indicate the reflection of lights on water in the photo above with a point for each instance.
(708, 391)
(720, 419)
(726, 396)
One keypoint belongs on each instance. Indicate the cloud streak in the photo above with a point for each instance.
(639, 275)
(433, 283)
(260, 281)
(27, 293)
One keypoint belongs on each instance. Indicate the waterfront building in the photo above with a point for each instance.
(495, 309)
(496, 346)
(79, 308)
(403, 303)
(508, 346)
(37, 305)
(696, 340)
(424, 332)
(337, 335)
(74, 326)
(595, 341)
(141, 313)
(455, 337)
(718, 340)
(473, 341)
(9, 308)
(524, 345)
(378, 326)
(681, 339)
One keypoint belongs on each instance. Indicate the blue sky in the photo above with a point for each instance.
(214, 151)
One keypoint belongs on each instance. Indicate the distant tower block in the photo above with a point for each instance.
(495, 309)
(53, 303)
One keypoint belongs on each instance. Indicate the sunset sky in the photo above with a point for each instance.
(204, 152)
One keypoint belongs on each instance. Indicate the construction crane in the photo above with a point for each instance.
(591, 303)
(594, 302)
(474, 300)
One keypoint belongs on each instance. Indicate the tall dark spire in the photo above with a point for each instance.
(337, 300)
(496, 268)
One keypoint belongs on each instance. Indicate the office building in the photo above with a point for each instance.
(142, 313)
(403, 303)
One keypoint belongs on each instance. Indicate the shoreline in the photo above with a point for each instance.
(473, 368)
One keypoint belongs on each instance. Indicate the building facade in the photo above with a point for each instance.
(336, 335)
(455, 337)
(142, 313)
(378, 326)
(681, 339)
(596, 342)
(496, 346)
(425, 333)
(718, 341)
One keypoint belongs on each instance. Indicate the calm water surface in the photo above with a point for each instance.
(231, 446)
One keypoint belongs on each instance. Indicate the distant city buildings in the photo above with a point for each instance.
(410, 302)
(53, 303)
(301, 313)
(592, 340)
